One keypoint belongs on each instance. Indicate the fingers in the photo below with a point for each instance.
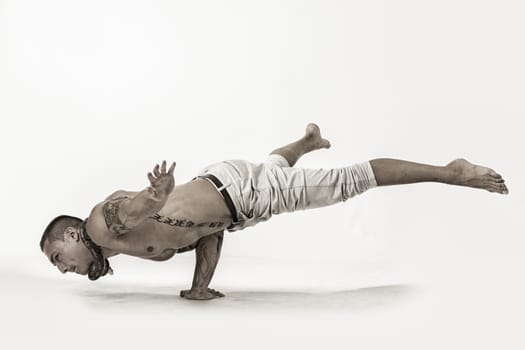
(193, 294)
(156, 170)
(162, 169)
(172, 167)
(215, 293)
(151, 178)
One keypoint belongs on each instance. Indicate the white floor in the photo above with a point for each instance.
(269, 303)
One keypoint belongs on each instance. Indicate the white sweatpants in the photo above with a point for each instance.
(261, 190)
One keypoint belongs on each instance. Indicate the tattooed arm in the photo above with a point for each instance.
(122, 213)
(207, 252)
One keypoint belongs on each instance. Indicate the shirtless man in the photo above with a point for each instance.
(164, 219)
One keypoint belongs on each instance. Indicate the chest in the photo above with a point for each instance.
(155, 239)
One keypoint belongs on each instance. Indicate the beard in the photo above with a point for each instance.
(98, 269)
(100, 265)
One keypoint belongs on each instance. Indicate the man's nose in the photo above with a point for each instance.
(62, 267)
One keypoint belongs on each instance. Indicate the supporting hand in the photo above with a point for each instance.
(199, 294)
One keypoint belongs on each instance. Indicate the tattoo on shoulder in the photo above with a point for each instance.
(113, 222)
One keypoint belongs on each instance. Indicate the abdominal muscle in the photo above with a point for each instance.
(192, 211)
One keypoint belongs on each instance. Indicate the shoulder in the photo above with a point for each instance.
(104, 214)
(96, 225)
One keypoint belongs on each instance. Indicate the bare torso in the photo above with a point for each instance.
(192, 211)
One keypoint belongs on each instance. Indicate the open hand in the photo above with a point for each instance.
(162, 181)
(199, 294)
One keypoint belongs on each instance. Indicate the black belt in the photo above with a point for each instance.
(225, 195)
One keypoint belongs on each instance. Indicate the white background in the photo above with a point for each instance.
(94, 93)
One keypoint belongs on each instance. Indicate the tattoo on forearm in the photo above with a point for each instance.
(185, 222)
(113, 222)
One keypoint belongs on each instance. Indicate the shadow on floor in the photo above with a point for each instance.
(248, 299)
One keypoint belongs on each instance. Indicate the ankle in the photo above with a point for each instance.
(452, 174)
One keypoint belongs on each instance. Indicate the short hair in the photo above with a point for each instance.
(55, 229)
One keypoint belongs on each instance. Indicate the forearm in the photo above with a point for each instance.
(396, 172)
(145, 204)
(207, 255)
(124, 212)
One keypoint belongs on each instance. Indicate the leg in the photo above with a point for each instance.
(298, 189)
(288, 189)
(458, 172)
(311, 141)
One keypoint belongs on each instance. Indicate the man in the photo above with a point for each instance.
(164, 219)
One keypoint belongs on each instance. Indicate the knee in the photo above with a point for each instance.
(276, 159)
(358, 178)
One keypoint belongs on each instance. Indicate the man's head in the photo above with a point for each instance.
(63, 245)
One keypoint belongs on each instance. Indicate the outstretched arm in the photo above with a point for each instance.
(207, 252)
(122, 213)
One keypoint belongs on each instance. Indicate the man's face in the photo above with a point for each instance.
(70, 255)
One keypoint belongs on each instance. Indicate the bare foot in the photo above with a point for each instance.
(313, 135)
(477, 176)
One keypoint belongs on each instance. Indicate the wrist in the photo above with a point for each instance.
(157, 193)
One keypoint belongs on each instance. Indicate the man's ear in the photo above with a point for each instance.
(71, 233)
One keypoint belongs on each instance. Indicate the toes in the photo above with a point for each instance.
(494, 188)
(498, 187)
(494, 180)
(494, 174)
(325, 144)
